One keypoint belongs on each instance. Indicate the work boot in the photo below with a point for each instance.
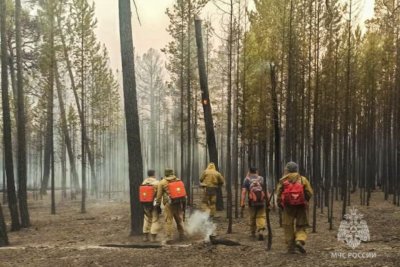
(260, 237)
(146, 237)
(154, 237)
(300, 246)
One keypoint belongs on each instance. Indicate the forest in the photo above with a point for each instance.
(240, 83)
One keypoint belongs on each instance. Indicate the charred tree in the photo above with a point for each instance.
(21, 140)
(229, 123)
(131, 115)
(205, 100)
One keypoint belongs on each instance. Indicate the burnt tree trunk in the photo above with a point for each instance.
(205, 100)
(131, 115)
(21, 140)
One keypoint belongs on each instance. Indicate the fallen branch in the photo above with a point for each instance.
(221, 241)
(132, 245)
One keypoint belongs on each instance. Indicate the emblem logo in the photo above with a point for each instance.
(353, 229)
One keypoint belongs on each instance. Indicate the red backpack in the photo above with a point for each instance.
(177, 191)
(293, 193)
(146, 194)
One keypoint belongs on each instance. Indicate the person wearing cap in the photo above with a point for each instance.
(172, 211)
(294, 217)
(151, 214)
(210, 180)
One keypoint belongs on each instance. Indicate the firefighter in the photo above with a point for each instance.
(210, 180)
(151, 213)
(293, 193)
(171, 191)
(253, 187)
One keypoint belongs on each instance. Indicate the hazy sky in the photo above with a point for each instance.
(154, 21)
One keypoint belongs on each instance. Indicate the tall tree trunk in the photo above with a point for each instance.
(229, 126)
(9, 165)
(21, 153)
(189, 103)
(205, 100)
(289, 91)
(51, 105)
(182, 154)
(346, 118)
(131, 115)
(277, 141)
(316, 127)
(275, 122)
(235, 131)
(84, 140)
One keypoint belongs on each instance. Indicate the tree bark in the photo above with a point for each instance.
(21, 152)
(82, 117)
(275, 122)
(189, 106)
(51, 111)
(9, 164)
(131, 115)
(205, 100)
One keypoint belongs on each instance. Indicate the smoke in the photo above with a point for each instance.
(199, 223)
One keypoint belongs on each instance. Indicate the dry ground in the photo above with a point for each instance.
(72, 239)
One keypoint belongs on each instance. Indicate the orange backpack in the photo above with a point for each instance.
(146, 193)
(177, 191)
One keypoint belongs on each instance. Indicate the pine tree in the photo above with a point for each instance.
(9, 164)
(131, 115)
(21, 138)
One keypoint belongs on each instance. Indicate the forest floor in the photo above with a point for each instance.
(72, 239)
